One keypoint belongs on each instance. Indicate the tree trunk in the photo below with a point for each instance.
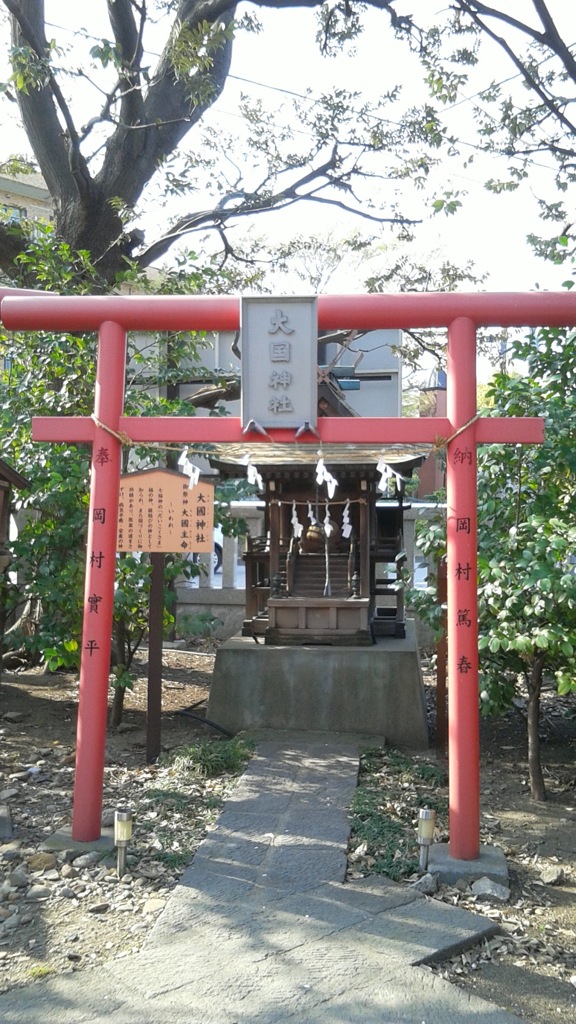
(537, 787)
(117, 709)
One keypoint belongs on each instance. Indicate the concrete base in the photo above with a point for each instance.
(62, 840)
(371, 691)
(490, 864)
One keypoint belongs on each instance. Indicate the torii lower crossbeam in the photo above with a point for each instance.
(461, 430)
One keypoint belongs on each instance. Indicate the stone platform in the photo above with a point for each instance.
(372, 691)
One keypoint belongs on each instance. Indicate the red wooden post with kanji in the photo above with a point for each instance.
(462, 430)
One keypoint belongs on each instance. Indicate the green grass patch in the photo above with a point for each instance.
(183, 798)
(213, 758)
(40, 971)
(384, 812)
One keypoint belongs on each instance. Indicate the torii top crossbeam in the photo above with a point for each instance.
(462, 430)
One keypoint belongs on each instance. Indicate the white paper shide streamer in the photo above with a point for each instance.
(346, 524)
(324, 477)
(189, 469)
(297, 528)
(252, 474)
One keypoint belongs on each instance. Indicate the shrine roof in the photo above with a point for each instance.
(8, 473)
(231, 458)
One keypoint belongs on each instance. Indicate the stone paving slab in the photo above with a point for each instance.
(262, 930)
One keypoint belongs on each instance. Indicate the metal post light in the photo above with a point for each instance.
(426, 822)
(122, 837)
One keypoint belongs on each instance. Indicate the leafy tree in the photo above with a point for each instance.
(46, 374)
(146, 119)
(526, 116)
(527, 540)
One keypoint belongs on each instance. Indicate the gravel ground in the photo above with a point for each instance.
(62, 913)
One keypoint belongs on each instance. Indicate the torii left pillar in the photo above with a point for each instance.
(99, 581)
(461, 429)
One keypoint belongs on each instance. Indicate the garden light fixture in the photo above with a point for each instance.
(426, 822)
(122, 836)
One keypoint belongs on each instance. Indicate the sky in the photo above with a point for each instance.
(283, 58)
(489, 229)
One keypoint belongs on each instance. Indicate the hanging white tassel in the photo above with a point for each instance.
(386, 474)
(194, 476)
(328, 524)
(189, 469)
(297, 528)
(324, 477)
(320, 471)
(346, 524)
(331, 485)
(311, 515)
(252, 474)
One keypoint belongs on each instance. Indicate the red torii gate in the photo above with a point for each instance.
(462, 430)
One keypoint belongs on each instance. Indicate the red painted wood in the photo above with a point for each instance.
(99, 587)
(514, 430)
(222, 313)
(462, 313)
(367, 430)
(462, 612)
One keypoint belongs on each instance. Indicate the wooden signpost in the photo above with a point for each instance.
(159, 511)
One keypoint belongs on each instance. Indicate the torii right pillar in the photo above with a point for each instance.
(462, 604)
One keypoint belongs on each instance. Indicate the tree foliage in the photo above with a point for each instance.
(149, 81)
(527, 115)
(54, 374)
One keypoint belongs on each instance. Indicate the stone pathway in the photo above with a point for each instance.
(262, 930)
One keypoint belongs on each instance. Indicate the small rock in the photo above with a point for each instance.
(428, 884)
(66, 892)
(487, 887)
(19, 878)
(11, 923)
(462, 885)
(39, 892)
(13, 716)
(73, 956)
(98, 908)
(8, 794)
(126, 727)
(10, 854)
(152, 869)
(552, 875)
(41, 861)
(153, 906)
(87, 860)
(19, 776)
(69, 871)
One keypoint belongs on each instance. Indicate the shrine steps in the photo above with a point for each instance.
(310, 575)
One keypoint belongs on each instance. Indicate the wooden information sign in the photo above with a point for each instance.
(158, 511)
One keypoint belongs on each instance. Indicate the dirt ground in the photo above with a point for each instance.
(530, 968)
